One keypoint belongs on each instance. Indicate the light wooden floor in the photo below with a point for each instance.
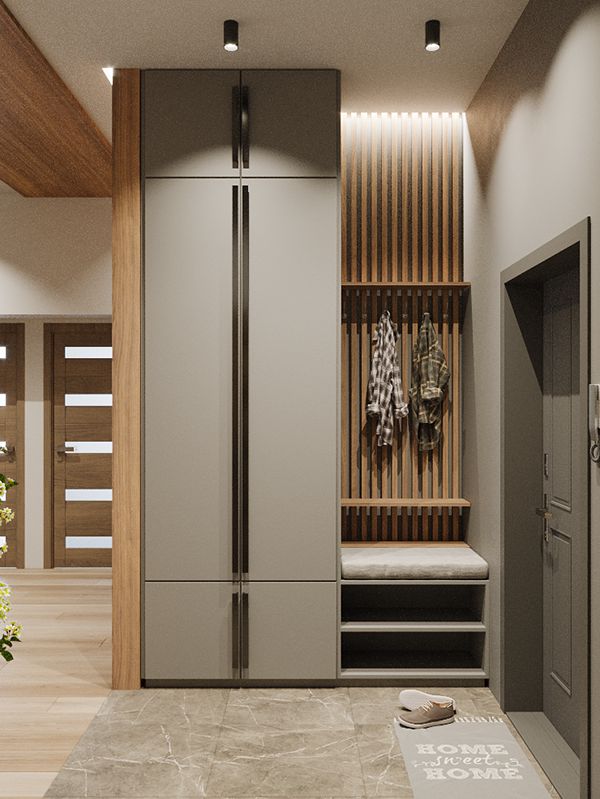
(60, 675)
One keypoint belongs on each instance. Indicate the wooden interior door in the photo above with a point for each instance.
(79, 390)
(12, 389)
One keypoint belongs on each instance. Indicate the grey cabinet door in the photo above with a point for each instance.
(293, 123)
(293, 325)
(188, 631)
(188, 379)
(188, 123)
(292, 631)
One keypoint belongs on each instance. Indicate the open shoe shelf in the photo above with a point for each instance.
(419, 629)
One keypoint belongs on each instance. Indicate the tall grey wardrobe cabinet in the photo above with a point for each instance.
(241, 269)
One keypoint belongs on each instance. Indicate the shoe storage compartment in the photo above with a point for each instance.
(433, 629)
(408, 650)
(376, 602)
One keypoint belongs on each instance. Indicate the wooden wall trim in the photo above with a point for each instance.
(49, 144)
(48, 460)
(20, 333)
(127, 380)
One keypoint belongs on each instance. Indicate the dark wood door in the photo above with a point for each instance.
(12, 386)
(79, 383)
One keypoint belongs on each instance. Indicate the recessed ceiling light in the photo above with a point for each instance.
(109, 72)
(432, 35)
(230, 35)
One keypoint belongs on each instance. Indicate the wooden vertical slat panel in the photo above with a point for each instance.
(445, 426)
(375, 450)
(354, 393)
(385, 191)
(394, 301)
(456, 199)
(375, 197)
(414, 445)
(127, 380)
(353, 267)
(426, 197)
(435, 455)
(435, 197)
(456, 425)
(344, 200)
(406, 438)
(446, 250)
(365, 423)
(403, 183)
(345, 369)
(415, 156)
(405, 197)
(364, 197)
(394, 169)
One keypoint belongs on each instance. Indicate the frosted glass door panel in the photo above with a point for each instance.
(188, 123)
(188, 378)
(293, 123)
(293, 313)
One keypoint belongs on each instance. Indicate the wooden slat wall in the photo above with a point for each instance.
(401, 222)
(402, 197)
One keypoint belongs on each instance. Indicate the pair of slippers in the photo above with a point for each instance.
(425, 710)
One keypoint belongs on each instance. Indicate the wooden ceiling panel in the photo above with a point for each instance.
(49, 145)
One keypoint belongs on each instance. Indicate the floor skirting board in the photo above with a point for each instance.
(558, 760)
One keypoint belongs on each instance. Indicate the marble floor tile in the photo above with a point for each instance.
(485, 701)
(374, 705)
(167, 705)
(124, 758)
(250, 744)
(293, 764)
(290, 709)
(382, 763)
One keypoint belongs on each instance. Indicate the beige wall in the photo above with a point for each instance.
(55, 255)
(55, 266)
(532, 169)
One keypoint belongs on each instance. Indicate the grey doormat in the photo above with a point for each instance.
(469, 759)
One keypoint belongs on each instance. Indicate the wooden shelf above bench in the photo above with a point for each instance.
(406, 284)
(405, 502)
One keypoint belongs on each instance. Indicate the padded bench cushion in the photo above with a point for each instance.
(413, 563)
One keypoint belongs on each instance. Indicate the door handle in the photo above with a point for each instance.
(235, 127)
(245, 127)
(544, 513)
(235, 405)
(62, 449)
(235, 633)
(244, 393)
(245, 631)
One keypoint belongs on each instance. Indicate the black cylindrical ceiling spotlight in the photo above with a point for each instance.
(230, 35)
(432, 35)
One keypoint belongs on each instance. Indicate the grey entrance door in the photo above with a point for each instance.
(563, 481)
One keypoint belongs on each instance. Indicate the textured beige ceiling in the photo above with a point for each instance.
(377, 44)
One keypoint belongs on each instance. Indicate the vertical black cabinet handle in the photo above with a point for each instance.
(244, 413)
(235, 387)
(235, 127)
(245, 128)
(235, 632)
(245, 632)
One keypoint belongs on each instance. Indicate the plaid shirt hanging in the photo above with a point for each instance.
(430, 377)
(385, 399)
